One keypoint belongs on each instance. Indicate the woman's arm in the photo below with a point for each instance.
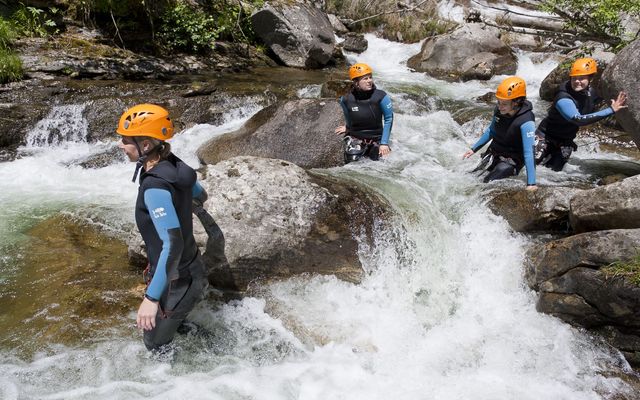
(528, 132)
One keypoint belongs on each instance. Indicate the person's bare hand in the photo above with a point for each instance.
(384, 150)
(341, 130)
(468, 154)
(620, 102)
(146, 319)
(532, 188)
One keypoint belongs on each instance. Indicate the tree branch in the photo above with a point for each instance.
(408, 9)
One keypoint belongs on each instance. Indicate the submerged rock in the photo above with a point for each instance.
(73, 284)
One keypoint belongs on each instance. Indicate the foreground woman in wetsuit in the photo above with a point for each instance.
(368, 115)
(175, 276)
(573, 107)
(511, 132)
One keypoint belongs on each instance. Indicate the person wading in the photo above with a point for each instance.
(511, 133)
(175, 276)
(368, 114)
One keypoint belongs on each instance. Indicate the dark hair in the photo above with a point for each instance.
(161, 148)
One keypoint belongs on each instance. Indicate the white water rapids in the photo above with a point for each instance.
(448, 317)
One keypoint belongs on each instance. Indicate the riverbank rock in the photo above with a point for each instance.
(546, 209)
(614, 206)
(623, 74)
(473, 51)
(299, 34)
(355, 42)
(572, 285)
(279, 221)
(298, 131)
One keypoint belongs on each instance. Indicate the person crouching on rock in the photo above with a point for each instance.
(175, 276)
(572, 108)
(511, 133)
(368, 114)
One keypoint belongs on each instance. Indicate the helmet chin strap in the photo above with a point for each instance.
(141, 159)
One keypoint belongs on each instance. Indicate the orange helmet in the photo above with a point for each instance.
(583, 66)
(511, 88)
(358, 70)
(146, 120)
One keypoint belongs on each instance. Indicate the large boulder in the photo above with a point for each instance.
(279, 221)
(299, 34)
(546, 209)
(299, 131)
(473, 51)
(575, 283)
(551, 83)
(614, 206)
(623, 74)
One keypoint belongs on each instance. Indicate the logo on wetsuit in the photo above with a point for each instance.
(158, 212)
(355, 108)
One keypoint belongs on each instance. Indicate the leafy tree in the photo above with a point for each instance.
(600, 19)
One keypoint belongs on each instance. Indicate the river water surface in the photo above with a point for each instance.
(444, 314)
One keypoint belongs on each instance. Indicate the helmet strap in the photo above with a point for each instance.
(142, 159)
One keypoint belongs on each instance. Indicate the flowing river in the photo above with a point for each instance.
(442, 314)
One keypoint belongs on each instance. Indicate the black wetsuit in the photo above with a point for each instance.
(570, 111)
(176, 277)
(364, 113)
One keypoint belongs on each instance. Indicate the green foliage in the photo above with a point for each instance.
(10, 66)
(188, 29)
(7, 33)
(33, 22)
(630, 270)
(598, 18)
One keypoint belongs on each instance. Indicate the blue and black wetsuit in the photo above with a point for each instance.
(369, 117)
(176, 277)
(512, 141)
(570, 111)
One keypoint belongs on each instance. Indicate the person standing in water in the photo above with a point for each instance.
(175, 276)
(368, 114)
(573, 107)
(511, 133)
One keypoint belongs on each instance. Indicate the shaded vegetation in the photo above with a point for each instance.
(409, 21)
(600, 19)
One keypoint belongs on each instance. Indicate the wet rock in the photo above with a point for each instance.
(298, 131)
(73, 285)
(279, 221)
(546, 209)
(355, 42)
(615, 206)
(472, 50)
(591, 249)
(335, 88)
(299, 34)
(568, 274)
(623, 74)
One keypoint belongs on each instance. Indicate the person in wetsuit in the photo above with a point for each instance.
(511, 133)
(573, 107)
(176, 278)
(368, 114)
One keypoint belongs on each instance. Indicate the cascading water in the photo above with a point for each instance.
(443, 314)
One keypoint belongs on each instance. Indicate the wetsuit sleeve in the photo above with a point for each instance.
(165, 220)
(486, 136)
(569, 111)
(345, 111)
(198, 193)
(528, 132)
(387, 112)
